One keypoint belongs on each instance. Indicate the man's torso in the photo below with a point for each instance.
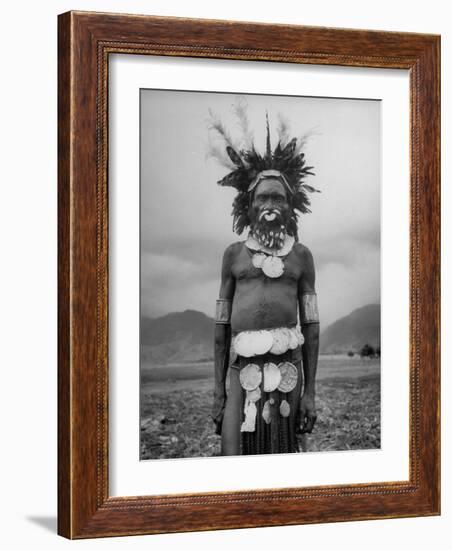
(261, 302)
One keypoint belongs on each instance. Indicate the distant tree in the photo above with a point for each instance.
(378, 351)
(351, 353)
(367, 351)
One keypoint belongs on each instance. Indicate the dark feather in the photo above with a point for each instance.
(237, 179)
(287, 152)
(301, 202)
(234, 156)
(268, 153)
(240, 208)
(310, 188)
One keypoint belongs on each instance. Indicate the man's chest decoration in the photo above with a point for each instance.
(271, 262)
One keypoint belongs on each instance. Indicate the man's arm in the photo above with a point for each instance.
(223, 337)
(309, 320)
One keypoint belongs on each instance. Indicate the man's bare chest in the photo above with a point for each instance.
(244, 270)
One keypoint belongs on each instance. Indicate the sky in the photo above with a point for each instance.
(186, 221)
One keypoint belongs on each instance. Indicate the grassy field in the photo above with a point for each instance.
(176, 402)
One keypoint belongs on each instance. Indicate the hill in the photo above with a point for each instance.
(177, 337)
(361, 326)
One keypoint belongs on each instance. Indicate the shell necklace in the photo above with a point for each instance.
(268, 260)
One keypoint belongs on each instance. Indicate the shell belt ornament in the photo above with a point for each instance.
(283, 377)
(258, 342)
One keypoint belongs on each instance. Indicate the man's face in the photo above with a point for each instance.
(269, 213)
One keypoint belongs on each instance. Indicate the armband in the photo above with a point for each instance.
(223, 312)
(309, 311)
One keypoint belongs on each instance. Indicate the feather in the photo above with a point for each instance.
(304, 138)
(310, 188)
(289, 150)
(268, 152)
(283, 130)
(215, 124)
(234, 156)
(255, 161)
(237, 179)
(228, 181)
(240, 109)
(240, 208)
(307, 171)
(219, 153)
(301, 202)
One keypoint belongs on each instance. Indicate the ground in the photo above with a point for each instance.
(176, 402)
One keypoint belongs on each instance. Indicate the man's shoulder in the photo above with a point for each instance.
(302, 251)
(232, 251)
(234, 248)
(303, 258)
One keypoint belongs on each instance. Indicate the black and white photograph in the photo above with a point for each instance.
(259, 274)
(224, 236)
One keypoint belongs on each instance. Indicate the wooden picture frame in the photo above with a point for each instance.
(85, 42)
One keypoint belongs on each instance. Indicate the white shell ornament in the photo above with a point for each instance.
(293, 338)
(254, 395)
(266, 413)
(258, 260)
(284, 408)
(300, 337)
(262, 341)
(249, 424)
(242, 344)
(250, 377)
(280, 341)
(289, 377)
(286, 334)
(272, 377)
(273, 267)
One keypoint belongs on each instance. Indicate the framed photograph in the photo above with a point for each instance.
(248, 275)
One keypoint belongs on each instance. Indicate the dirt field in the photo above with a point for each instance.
(176, 402)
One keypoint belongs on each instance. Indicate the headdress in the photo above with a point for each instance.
(285, 163)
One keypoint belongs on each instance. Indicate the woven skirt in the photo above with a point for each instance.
(273, 432)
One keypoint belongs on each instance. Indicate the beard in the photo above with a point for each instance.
(269, 228)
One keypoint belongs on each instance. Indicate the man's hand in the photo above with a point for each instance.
(219, 401)
(307, 413)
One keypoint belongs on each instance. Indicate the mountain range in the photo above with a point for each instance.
(350, 333)
(180, 337)
(187, 336)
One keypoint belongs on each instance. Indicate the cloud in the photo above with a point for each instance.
(342, 288)
(347, 250)
(162, 273)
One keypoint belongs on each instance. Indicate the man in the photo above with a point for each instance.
(267, 285)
